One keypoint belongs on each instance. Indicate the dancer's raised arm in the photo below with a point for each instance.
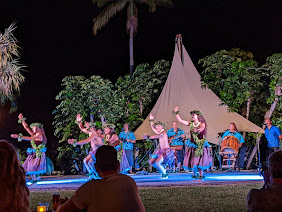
(151, 119)
(25, 125)
(28, 138)
(80, 124)
(81, 142)
(176, 112)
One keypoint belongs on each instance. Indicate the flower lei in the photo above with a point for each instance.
(74, 143)
(175, 112)
(159, 123)
(36, 125)
(200, 142)
(20, 138)
(21, 120)
(37, 148)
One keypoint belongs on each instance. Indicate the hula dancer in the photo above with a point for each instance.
(35, 163)
(112, 139)
(165, 153)
(95, 142)
(197, 155)
(128, 139)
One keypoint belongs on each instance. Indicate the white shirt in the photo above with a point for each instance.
(114, 193)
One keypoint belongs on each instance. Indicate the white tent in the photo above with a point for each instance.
(183, 89)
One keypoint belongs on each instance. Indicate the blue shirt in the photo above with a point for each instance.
(272, 136)
(235, 134)
(177, 141)
(129, 135)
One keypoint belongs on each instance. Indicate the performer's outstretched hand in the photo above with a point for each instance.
(151, 116)
(70, 141)
(145, 136)
(14, 135)
(79, 118)
(176, 109)
(20, 116)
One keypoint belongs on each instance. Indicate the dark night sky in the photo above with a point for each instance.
(56, 40)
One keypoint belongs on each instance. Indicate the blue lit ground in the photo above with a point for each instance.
(71, 182)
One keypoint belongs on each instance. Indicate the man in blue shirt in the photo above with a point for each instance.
(175, 137)
(273, 136)
(128, 139)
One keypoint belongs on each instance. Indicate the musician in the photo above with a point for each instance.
(176, 137)
(128, 139)
(233, 131)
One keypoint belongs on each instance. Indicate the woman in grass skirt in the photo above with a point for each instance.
(35, 163)
(197, 154)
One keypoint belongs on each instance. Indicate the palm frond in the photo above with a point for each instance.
(101, 3)
(107, 14)
(8, 45)
(165, 3)
(151, 3)
(11, 78)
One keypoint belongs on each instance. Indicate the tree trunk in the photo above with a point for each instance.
(140, 107)
(131, 60)
(268, 114)
(248, 113)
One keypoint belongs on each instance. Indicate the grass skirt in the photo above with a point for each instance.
(191, 161)
(34, 165)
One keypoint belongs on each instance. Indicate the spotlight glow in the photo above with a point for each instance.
(236, 177)
(50, 182)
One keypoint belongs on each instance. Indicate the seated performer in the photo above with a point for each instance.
(233, 131)
(111, 139)
(95, 142)
(35, 163)
(128, 139)
(176, 137)
(197, 154)
(165, 153)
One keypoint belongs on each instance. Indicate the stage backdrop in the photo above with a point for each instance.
(183, 89)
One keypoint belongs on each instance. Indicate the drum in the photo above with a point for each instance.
(230, 145)
(177, 148)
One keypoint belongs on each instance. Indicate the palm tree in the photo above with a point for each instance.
(10, 70)
(132, 19)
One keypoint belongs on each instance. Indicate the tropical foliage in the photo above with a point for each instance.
(233, 76)
(112, 7)
(129, 101)
(273, 67)
(238, 80)
(140, 90)
(10, 69)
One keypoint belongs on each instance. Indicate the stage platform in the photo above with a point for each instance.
(72, 182)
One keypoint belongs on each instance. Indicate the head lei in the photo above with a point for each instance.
(159, 123)
(36, 125)
(112, 126)
(196, 112)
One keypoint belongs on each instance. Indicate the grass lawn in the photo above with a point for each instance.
(193, 198)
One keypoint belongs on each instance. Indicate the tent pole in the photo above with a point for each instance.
(179, 45)
(220, 165)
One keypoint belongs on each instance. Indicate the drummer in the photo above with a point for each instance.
(233, 131)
